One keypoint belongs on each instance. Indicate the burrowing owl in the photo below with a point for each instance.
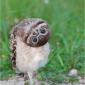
(29, 45)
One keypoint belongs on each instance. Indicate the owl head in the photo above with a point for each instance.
(33, 32)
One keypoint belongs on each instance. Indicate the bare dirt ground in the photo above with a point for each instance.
(20, 81)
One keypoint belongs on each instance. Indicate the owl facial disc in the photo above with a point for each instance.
(34, 32)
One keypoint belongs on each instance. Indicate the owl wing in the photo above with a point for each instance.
(13, 48)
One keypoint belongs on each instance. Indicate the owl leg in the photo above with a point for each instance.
(31, 80)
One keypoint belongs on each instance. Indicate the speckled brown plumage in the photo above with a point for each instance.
(13, 49)
(29, 45)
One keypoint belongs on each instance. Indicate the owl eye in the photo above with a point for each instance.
(43, 30)
(34, 39)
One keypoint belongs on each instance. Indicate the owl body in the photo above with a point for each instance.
(31, 58)
(29, 45)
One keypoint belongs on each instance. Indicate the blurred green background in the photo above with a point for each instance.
(66, 21)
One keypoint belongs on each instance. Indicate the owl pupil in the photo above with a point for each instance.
(34, 39)
(42, 30)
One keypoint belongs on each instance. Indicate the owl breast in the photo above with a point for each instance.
(30, 58)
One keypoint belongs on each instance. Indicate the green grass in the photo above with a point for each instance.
(66, 20)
